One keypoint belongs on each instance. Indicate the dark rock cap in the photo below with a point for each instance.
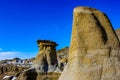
(47, 42)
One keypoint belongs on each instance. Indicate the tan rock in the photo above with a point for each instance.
(94, 50)
(46, 60)
(62, 55)
(118, 33)
(33, 75)
(10, 70)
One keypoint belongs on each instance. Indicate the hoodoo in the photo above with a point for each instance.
(46, 60)
(45, 63)
(94, 49)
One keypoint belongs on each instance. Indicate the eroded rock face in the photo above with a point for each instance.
(45, 63)
(46, 60)
(10, 70)
(62, 56)
(94, 50)
(118, 33)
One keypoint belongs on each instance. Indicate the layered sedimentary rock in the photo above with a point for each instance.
(62, 56)
(45, 63)
(46, 60)
(94, 49)
(10, 70)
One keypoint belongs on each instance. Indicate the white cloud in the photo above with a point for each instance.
(12, 54)
(8, 55)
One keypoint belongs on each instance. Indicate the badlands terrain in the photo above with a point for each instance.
(93, 54)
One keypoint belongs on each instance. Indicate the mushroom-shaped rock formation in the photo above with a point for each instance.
(45, 64)
(94, 49)
(46, 60)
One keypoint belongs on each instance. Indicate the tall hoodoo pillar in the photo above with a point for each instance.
(94, 49)
(46, 60)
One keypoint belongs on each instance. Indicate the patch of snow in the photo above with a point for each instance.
(6, 77)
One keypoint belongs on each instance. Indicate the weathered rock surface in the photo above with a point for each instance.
(32, 75)
(45, 63)
(118, 33)
(94, 49)
(10, 70)
(46, 60)
(62, 56)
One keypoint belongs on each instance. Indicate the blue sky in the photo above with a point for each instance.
(23, 22)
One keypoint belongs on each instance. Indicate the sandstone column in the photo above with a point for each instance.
(94, 49)
(46, 60)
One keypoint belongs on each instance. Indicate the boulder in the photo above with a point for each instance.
(94, 49)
